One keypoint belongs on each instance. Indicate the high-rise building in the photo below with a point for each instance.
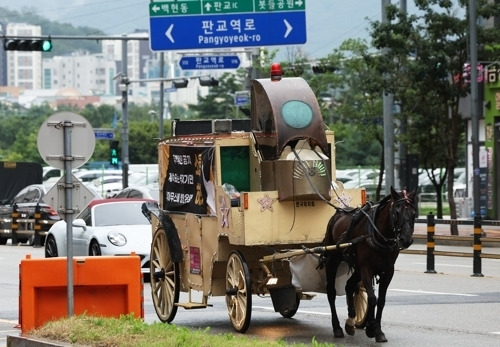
(23, 68)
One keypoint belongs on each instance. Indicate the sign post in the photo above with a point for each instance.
(59, 137)
(198, 24)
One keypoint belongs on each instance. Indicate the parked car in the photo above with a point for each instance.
(110, 189)
(110, 227)
(27, 200)
(140, 192)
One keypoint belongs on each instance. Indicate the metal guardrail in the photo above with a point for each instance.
(477, 239)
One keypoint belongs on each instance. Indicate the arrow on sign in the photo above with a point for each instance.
(155, 8)
(168, 33)
(288, 28)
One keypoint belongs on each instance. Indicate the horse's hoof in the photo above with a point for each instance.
(349, 329)
(370, 332)
(380, 338)
(337, 332)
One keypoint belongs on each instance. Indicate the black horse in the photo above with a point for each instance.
(377, 233)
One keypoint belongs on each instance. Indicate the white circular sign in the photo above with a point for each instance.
(51, 143)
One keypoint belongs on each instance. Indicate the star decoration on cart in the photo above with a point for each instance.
(266, 203)
(343, 199)
(224, 212)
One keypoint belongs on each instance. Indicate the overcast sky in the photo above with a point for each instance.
(328, 22)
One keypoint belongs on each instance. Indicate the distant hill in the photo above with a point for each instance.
(61, 47)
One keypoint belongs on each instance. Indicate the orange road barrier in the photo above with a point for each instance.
(102, 286)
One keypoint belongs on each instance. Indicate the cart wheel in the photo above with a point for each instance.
(361, 306)
(164, 278)
(238, 292)
(291, 313)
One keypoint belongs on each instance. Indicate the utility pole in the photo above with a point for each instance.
(162, 92)
(404, 171)
(124, 82)
(388, 101)
(474, 109)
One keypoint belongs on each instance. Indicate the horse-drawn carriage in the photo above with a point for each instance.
(243, 201)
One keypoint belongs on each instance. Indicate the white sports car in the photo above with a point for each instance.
(105, 227)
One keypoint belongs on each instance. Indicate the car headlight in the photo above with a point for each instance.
(117, 239)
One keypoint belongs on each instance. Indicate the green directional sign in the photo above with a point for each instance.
(208, 7)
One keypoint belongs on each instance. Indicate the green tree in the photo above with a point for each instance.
(219, 103)
(424, 61)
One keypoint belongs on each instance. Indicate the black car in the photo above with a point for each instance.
(26, 201)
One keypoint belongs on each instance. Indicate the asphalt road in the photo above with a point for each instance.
(450, 307)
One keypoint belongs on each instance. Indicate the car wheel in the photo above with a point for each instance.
(3, 241)
(95, 249)
(50, 247)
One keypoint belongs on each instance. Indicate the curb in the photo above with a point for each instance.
(23, 341)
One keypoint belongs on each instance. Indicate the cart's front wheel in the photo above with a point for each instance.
(164, 278)
(238, 292)
(361, 306)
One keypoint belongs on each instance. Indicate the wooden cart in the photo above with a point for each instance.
(239, 199)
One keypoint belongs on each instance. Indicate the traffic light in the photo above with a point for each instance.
(113, 153)
(318, 69)
(40, 45)
(180, 83)
(208, 82)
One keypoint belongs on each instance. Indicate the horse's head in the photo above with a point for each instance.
(403, 217)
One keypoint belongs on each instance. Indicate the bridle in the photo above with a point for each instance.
(388, 244)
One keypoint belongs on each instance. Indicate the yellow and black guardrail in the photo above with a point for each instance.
(476, 239)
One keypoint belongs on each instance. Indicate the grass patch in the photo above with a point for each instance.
(423, 211)
(84, 330)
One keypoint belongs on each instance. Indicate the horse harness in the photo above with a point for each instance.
(373, 236)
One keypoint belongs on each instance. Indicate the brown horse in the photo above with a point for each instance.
(377, 233)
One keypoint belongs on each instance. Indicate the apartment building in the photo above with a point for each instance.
(23, 69)
(91, 74)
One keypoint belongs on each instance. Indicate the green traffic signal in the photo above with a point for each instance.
(113, 157)
(46, 45)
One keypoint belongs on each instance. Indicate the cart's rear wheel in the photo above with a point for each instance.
(164, 278)
(361, 306)
(238, 292)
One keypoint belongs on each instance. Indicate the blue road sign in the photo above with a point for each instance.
(241, 98)
(227, 30)
(210, 62)
(104, 134)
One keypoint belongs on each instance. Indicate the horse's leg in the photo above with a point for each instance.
(367, 278)
(332, 264)
(382, 292)
(350, 289)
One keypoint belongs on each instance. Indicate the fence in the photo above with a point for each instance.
(477, 239)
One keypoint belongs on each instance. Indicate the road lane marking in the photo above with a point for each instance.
(427, 292)
(8, 321)
(443, 264)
